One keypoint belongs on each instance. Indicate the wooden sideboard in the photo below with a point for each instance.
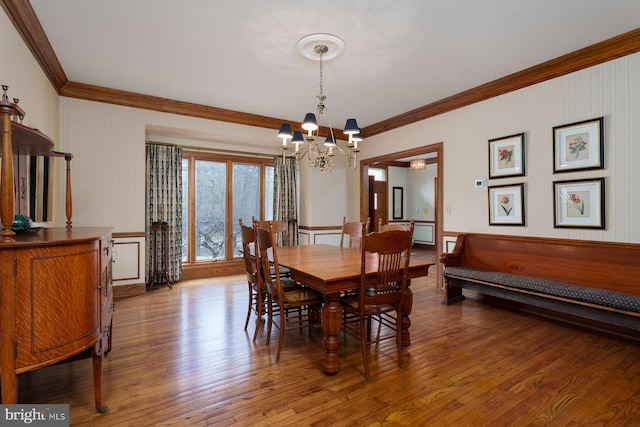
(56, 298)
(57, 302)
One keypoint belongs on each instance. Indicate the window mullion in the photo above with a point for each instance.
(229, 212)
(191, 257)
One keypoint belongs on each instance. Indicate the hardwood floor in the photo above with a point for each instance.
(181, 357)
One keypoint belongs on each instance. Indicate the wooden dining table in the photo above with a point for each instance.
(331, 270)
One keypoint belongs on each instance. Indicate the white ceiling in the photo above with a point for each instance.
(240, 54)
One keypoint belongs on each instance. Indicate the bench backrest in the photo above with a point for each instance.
(605, 265)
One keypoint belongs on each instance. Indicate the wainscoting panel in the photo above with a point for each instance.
(327, 238)
(423, 233)
(128, 260)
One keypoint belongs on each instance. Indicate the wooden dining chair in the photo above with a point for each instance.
(380, 296)
(280, 228)
(255, 298)
(353, 231)
(297, 307)
(281, 231)
(386, 227)
(257, 290)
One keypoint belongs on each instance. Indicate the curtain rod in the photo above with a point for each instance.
(215, 150)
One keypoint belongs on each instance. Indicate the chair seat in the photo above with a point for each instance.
(352, 303)
(302, 296)
(284, 271)
(289, 284)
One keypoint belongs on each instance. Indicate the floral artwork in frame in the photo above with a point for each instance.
(579, 146)
(506, 156)
(579, 203)
(506, 205)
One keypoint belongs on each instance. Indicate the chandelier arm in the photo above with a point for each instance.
(341, 150)
(300, 154)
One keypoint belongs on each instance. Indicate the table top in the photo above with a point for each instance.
(332, 269)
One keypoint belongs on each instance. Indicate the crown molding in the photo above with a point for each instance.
(607, 50)
(172, 106)
(27, 24)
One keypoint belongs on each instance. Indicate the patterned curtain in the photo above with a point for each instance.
(285, 205)
(164, 204)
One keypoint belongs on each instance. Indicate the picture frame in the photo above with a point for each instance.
(579, 203)
(579, 146)
(506, 156)
(398, 202)
(506, 205)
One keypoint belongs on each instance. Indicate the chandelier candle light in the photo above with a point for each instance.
(320, 47)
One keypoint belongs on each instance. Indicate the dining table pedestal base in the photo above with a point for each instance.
(331, 326)
(406, 322)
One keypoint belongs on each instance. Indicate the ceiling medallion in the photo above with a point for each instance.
(306, 46)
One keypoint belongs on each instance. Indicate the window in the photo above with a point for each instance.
(378, 174)
(246, 198)
(218, 190)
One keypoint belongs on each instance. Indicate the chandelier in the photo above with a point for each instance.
(417, 164)
(309, 146)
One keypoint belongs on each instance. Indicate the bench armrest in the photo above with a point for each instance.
(449, 259)
(453, 258)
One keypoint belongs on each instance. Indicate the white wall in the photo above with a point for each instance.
(396, 177)
(27, 82)
(418, 191)
(323, 197)
(611, 90)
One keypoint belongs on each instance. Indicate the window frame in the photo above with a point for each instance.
(230, 160)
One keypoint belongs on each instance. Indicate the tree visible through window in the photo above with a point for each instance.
(218, 190)
(246, 198)
(210, 204)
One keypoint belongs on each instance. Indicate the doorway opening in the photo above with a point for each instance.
(369, 190)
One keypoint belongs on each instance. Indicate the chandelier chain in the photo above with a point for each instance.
(321, 97)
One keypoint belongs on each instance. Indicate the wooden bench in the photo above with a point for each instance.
(599, 281)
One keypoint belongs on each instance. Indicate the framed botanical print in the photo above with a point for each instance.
(506, 156)
(579, 203)
(579, 146)
(506, 205)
